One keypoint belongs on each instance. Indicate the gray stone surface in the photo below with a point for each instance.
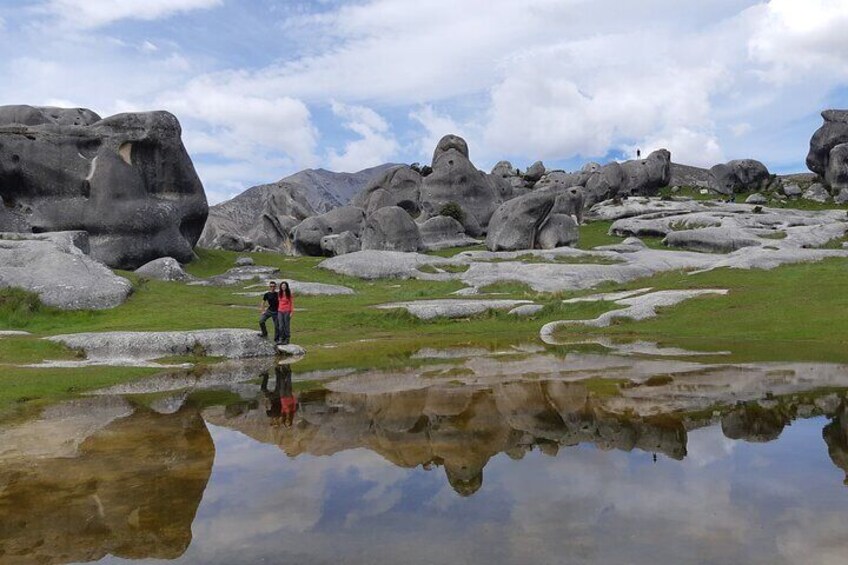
(817, 192)
(164, 269)
(442, 232)
(397, 186)
(711, 240)
(604, 183)
(833, 132)
(238, 275)
(107, 346)
(244, 261)
(455, 179)
(836, 174)
(792, 190)
(339, 244)
(646, 176)
(371, 264)
(756, 198)
(518, 223)
(291, 350)
(127, 180)
(741, 175)
(526, 310)
(534, 172)
(55, 266)
(451, 308)
(308, 234)
(391, 229)
(559, 230)
(841, 197)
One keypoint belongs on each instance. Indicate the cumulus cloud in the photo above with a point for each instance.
(95, 13)
(374, 146)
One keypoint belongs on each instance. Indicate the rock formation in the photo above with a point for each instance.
(398, 186)
(741, 175)
(519, 223)
(391, 229)
(828, 156)
(646, 176)
(126, 180)
(307, 234)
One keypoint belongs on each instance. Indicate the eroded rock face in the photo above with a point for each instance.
(340, 244)
(833, 132)
(455, 179)
(604, 183)
(391, 229)
(518, 223)
(163, 269)
(398, 186)
(836, 174)
(741, 175)
(126, 180)
(57, 268)
(308, 234)
(442, 232)
(646, 176)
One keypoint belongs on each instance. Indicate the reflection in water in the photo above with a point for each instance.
(375, 467)
(132, 491)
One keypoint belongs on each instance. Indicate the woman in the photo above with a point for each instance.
(285, 309)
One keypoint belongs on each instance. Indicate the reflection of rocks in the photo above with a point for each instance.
(836, 436)
(132, 492)
(752, 422)
(459, 428)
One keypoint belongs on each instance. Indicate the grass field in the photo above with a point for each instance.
(797, 312)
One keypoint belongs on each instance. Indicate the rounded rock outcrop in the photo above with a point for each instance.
(391, 229)
(741, 175)
(127, 180)
(398, 186)
(833, 132)
(308, 234)
(646, 176)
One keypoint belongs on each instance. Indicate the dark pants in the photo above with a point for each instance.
(284, 323)
(275, 319)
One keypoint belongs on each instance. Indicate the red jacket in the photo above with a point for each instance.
(286, 304)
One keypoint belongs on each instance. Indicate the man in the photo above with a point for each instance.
(270, 302)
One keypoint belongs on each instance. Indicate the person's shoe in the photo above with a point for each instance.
(263, 336)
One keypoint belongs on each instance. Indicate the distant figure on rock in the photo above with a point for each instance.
(269, 309)
(285, 309)
(638, 153)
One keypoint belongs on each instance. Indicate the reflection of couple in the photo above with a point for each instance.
(282, 403)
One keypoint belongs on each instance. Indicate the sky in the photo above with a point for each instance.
(266, 88)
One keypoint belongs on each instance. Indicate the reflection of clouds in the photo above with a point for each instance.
(727, 503)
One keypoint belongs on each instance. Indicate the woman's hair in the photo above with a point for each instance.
(284, 289)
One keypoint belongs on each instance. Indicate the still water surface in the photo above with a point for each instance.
(470, 466)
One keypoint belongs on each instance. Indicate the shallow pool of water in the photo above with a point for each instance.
(481, 457)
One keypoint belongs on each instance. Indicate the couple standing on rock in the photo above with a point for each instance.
(279, 306)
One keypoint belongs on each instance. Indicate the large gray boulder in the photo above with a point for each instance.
(517, 224)
(163, 269)
(340, 244)
(836, 174)
(712, 240)
(741, 175)
(817, 192)
(559, 230)
(391, 229)
(534, 172)
(308, 234)
(833, 132)
(604, 183)
(56, 267)
(127, 180)
(646, 176)
(398, 186)
(442, 232)
(455, 179)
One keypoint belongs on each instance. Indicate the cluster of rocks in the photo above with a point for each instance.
(449, 203)
(828, 156)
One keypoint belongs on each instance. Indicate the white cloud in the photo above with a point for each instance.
(436, 126)
(95, 13)
(376, 144)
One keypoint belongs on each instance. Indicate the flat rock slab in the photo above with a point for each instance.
(12, 333)
(60, 272)
(291, 350)
(639, 307)
(229, 343)
(372, 264)
(238, 275)
(451, 308)
(526, 310)
(303, 288)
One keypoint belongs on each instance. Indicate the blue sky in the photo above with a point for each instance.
(264, 89)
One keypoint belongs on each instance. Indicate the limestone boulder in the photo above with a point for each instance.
(604, 183)
(308, 234)
(792, 190)
(391, 229)
(127, 180)
(398, 186)
(817, 192)
(711, 240)
(518, 223)
(57, 268)
(340, 244)
(756, 198)
(836, 174)
(455, 179)
(841, 197)
(833, 132)
(163, 269)
(442, 232)
(645, 177)
(559, 230)
(741, 175)
(534, 172)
